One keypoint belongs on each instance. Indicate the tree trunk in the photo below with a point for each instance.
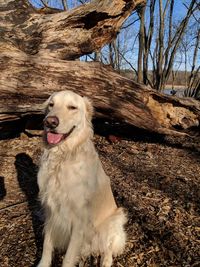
(114, 96)
(147, 47)
(141, 14)
(33, 46)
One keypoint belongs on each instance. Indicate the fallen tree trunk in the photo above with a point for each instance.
(114, 96)
(34, 44)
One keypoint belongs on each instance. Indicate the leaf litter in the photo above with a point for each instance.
(156, 182)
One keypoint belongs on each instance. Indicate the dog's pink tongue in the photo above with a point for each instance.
(54, 138)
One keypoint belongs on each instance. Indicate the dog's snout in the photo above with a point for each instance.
(51, 122)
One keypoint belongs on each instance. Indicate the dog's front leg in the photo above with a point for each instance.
(73, 250)
(47, 250)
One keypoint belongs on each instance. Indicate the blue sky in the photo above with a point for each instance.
(179, 8)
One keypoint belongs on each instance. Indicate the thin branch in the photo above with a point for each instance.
(44, 3)
(127, 62)
(198, 7)
(194, 73)
(169, 45)
(165, 8)
(130, 24)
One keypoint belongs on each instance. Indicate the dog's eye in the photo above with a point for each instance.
(71, 107)
(51, 104)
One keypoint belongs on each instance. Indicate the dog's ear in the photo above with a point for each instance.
(45, 105)
(89, 108)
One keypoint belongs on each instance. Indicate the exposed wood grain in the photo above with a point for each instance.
(64, 35)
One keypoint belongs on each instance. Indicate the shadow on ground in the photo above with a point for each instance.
(2, 188)
(27, 179)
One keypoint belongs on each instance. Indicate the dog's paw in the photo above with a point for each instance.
(42, 264)
(106, 261)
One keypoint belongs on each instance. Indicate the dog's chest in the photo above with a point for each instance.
(64, 187)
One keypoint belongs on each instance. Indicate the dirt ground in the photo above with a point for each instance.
(155, 179)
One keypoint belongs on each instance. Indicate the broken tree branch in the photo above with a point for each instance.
(63, 35)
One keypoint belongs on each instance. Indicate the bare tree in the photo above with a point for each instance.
(163, 50)
(62, 4)
(117, 53)
(175, 42)
(148, 40)
(193, 82)
(141, 14)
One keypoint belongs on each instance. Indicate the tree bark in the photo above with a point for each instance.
(114, 97)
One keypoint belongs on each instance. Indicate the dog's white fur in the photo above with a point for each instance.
(81, 214)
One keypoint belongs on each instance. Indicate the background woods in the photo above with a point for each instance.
(158, 40)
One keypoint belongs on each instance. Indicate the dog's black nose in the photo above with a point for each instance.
(51, 122)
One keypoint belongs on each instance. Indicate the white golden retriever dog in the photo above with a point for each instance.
(81, 214)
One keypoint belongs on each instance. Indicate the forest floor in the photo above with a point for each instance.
(157, 180)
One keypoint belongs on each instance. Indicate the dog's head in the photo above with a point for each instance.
(68, 118)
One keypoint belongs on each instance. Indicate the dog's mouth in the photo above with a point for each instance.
(54, 138)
